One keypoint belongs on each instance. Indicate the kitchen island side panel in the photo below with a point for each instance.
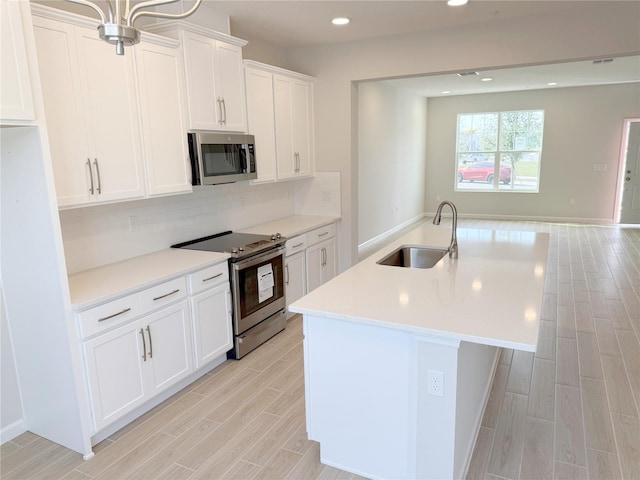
(357, 388)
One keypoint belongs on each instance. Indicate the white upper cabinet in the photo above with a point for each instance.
(214, 76)
(280, 111)
(16, 100)
(92, 116)
(163, 113)
(261, 121)
(117, 124)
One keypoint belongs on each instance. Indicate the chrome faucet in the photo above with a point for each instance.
(453, 247)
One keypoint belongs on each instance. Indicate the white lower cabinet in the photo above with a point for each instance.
(141, 344)
(321, 263)
(129, 365)
(213, 335)
(295, 281)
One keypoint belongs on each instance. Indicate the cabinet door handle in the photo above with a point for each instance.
(220, 110)
(150, 344)
(324, 257)
(144, 346)
(95, 162)
(224, 109)
(286, 269)
(166, 295)
(230, 305)
(211, 278)
(297, 245)
(114, 315)
(90, 175)
(323, 234)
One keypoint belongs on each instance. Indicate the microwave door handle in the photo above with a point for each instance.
(243, 158)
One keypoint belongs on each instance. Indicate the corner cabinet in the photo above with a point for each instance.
(116, 124)
(214, 76)
(16, 100)
(280, 116)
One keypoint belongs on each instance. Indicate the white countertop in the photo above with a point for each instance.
(291, 226)
(492, 294)
(97, 285)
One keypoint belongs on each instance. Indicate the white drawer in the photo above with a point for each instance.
(208, 277)
(296, 244)
(109, 315)
(320, 234)
(163, 294)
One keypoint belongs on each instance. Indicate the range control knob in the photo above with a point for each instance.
(275, 236)
(241, 249)
(234, 250)
(278, 236)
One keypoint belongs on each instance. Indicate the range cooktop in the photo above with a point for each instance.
(238, 245)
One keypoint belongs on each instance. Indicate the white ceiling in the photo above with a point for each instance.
(301, 23)
(298, 23)
(573, 74)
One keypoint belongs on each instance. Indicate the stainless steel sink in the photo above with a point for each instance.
(413, 257)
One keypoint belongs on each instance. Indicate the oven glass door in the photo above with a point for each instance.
(260, 285)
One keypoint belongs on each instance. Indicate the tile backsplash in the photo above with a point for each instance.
(102, 234)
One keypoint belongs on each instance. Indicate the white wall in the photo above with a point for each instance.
(590, 30)
(99, 235)
(391, 158)
(583, 126)
(103, 234)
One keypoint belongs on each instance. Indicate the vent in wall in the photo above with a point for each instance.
(467, 74)
(602, 60)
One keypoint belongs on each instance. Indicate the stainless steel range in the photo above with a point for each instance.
(256, 270)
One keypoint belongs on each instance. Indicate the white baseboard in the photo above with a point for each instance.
(530, 218)
(11, 431)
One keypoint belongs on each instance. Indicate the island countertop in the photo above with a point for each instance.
(492, 294)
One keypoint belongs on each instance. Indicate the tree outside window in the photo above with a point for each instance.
(499, 151)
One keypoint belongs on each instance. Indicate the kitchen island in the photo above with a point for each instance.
(399, 361)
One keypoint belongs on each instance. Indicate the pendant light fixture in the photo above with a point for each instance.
(118, 19)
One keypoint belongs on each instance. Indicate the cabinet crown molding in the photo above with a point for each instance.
(278, 70)
(170, 26)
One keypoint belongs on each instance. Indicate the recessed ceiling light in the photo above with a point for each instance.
(457, 3)
(552, 84)
(486, 79)
(446, 91)
(340, 21)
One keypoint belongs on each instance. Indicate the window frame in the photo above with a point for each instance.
(496, 156)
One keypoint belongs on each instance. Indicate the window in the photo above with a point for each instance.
(506, 142)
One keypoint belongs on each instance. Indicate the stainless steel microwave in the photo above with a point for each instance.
(221, 158)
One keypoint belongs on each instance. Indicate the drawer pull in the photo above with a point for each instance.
(211, 278)
(297, 245)
(167, 295)
(323, 234)
(114, 315)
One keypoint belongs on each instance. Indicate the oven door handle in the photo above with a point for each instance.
(259, 258)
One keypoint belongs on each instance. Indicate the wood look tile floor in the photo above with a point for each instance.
(568, 411)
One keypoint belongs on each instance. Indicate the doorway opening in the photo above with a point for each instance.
(628, 194)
